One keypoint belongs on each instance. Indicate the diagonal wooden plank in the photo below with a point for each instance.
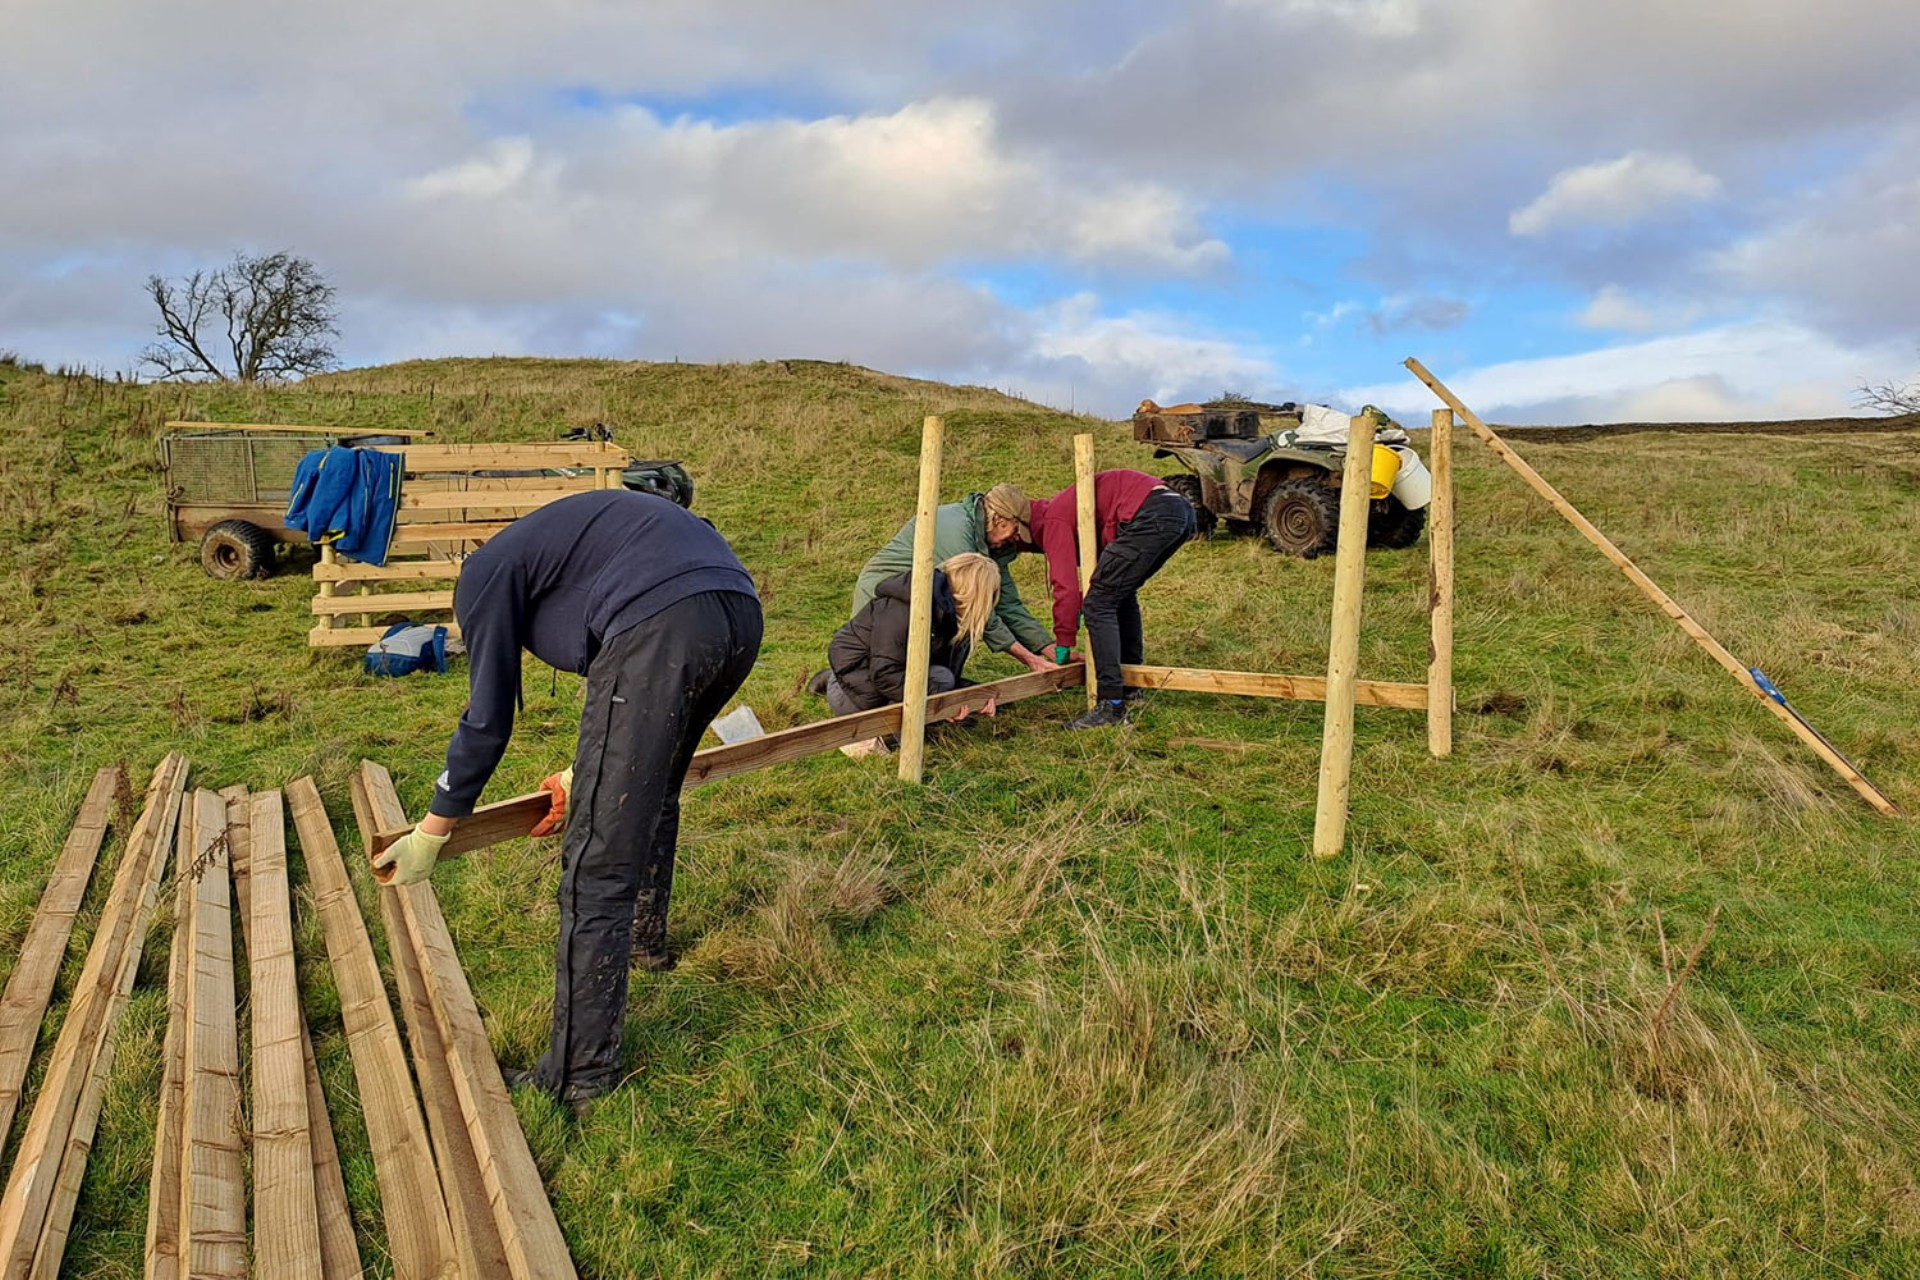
(30, 986)
(509, 819)
(213, 1206)
(531, 1236)
(418, 1235)
(36, 1169)
(474, 1233)
(286, 1210)
(52, 1245)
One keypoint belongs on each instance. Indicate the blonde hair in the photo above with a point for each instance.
(975, 580)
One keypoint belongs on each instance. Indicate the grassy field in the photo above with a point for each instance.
(1083, 1005)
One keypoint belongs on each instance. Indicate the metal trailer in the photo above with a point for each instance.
(228, 485)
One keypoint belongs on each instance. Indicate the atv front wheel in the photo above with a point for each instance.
(1189, 487)
(1302, 518)
(1394, 527)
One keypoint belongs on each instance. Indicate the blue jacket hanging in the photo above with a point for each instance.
(349, 497)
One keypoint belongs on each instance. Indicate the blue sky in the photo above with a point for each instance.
(1639, 210)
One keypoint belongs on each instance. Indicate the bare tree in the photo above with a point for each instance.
(1889, 397)
(276, 310)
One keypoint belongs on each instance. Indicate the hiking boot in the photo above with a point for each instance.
(817, 682)
(1103, 714)
(575, 1097)
(661, 961)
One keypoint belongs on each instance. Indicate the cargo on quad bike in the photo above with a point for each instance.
(1276, 468)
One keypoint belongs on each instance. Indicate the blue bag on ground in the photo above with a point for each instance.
(408, 647)
(349, 497)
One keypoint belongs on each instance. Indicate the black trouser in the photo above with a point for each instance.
(1112, 605)
(651, 692)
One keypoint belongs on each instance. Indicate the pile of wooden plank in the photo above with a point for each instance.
(450, 504)
(465, 1201)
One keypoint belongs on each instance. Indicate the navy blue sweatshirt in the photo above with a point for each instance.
(560, 583)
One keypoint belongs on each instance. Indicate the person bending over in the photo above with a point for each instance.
(1140, 524)
(649, 603)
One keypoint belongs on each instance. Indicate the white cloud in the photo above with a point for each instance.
(1750, 371)
(1122, 359)
(1615, 193)
(1613, 308)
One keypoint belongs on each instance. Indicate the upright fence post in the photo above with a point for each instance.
(1440, 589)
(913, 709)
(1089, 539)
(1343, 658)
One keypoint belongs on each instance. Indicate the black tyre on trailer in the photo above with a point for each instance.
(236, 549)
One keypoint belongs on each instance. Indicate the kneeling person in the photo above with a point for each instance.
(867, 661)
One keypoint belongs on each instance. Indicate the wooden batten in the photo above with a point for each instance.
(52, 1245)
(475, 1236)
(30, 986)
(286, 1211)
(163, 1209)
(35, 1176)
(1252, 684)
(509, 819)
(212, 1186)
(419, 1237)
(528, 1232)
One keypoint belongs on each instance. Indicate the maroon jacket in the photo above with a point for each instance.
(1117, 496)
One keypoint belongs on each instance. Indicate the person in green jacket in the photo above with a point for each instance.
(986, 523)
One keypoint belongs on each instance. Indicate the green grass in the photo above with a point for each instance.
(1087, 1007)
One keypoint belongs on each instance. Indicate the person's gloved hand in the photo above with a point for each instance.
(559, 786)
(410, 859)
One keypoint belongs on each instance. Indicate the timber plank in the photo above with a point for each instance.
(52, 1246)
(212, 1187)
(419, 1237)
(508, 819)
(1253, 684)
(474, 1234)
(390, 602)
(552, 489)
(36, 1169)
(392, 571)
(286, 1211)
(163, 1206)
(528, 1231)
(322, 636)
(35, 970)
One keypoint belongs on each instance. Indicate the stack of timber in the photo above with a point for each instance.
(44, 1182)
(467, 1201)
(452, 500)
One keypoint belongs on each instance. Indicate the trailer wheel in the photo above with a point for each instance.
(236, 549)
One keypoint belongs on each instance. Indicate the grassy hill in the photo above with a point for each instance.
(1084, 1005)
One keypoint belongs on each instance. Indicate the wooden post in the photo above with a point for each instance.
(1651, 590)
(330, 558)
(913, 717)
(1343, 658)
(1440, 589)
(1089, 539)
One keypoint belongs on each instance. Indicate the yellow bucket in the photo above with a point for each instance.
(1386, 468)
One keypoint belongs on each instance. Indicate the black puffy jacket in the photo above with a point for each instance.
(869, 654)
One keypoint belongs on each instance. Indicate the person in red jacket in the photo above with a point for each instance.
(1140, 523)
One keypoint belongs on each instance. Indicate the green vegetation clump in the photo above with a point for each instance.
(1625, 987)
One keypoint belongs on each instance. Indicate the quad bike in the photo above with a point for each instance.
(1277, 469)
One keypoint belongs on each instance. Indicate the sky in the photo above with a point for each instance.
(1572, 212)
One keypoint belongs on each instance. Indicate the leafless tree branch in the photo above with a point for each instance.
(1888, 397)
(278, 311)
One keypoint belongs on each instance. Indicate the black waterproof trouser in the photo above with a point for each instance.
(651, 692)
(1112, 605)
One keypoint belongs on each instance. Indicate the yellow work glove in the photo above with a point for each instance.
(410, 859)
(559, 786)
